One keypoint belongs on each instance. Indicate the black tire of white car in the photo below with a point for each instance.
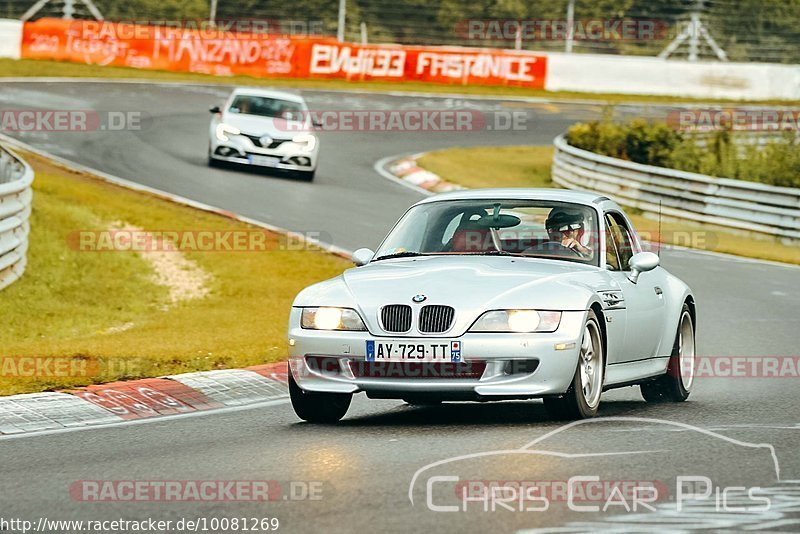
(676, 384)
(211, 161)
(306, 176)
(591, 361)
(318, 407)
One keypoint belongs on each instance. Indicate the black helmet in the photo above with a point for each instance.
(559, 218)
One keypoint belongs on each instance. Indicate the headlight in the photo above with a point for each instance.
(521, 321)
(223, 130)
(306, 141)
(331, 319)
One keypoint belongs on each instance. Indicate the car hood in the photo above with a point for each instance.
(470, 284)
(255, 125)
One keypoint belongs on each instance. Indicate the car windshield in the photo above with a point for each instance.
(267, 107)
(529, 228)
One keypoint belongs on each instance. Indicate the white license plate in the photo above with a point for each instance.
(264, 161)
(409, 350)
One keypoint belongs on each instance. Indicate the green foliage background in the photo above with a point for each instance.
(723, 153)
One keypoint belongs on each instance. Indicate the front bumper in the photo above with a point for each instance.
(238, 150)
(556, 355)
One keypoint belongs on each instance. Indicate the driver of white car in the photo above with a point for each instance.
(566, 227)
(565, 231)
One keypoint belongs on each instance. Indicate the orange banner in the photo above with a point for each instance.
(225, 53)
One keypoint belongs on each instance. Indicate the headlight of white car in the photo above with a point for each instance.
(327, 318)
(306, 141)
(223, 130)
(520, 321)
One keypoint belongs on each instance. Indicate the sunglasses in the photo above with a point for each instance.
(568, 227)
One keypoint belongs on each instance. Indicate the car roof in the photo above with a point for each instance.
(524, 193)
(268, 93)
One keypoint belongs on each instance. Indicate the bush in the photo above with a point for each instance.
(637, 140)
(724, 153)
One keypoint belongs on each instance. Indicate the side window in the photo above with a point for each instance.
(612, 256)
(622, 239)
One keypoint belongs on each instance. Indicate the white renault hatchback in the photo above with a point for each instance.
(264, 128)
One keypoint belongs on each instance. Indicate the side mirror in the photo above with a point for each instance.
(362, 256)
(214, 109)
(641, 263)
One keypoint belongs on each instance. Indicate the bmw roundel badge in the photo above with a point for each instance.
(419, 298)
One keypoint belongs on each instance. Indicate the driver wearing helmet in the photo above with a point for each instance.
(566, 228)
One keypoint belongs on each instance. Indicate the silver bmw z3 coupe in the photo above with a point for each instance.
(496, 294)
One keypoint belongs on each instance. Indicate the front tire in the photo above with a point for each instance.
(318, 407)
(676, 384)
(306, 176)
(582, 400)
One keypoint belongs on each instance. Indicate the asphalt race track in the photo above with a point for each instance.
(365, 467)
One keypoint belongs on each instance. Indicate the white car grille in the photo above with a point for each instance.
(396, 318)
(434, 319)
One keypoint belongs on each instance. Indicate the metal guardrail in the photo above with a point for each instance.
(738, 204)
(16, 178)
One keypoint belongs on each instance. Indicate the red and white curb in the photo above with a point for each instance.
(405, 171)
(118, 402)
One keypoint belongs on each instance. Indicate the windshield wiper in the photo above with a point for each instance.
(497, 253)
(406, 254)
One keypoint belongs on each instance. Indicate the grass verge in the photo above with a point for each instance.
(529, 166)
(108, 309)
(37, 67)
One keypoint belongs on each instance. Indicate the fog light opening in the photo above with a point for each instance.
(226, 151)
(324, 365)
(520, 367)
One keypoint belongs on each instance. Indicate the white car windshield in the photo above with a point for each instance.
(529, 228)
(267, 107)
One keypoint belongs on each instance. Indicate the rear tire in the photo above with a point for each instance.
(676, 384)
(582, 399)
(318, 407)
